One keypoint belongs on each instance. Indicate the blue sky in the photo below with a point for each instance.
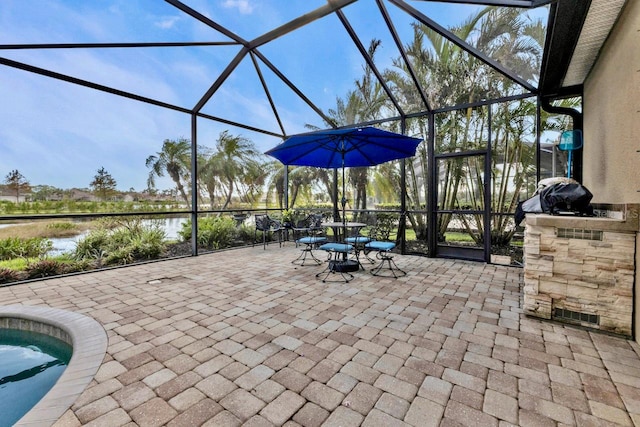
(60, 134)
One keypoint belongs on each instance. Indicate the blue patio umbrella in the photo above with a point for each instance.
(341, 148)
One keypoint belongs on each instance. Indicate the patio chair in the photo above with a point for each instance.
(338, 262)
(268, 226)
(383, 246)
(310, 234)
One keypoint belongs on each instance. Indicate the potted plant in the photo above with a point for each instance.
(287, 218)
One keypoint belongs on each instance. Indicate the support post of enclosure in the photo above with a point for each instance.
(194, 184)
(403, 195)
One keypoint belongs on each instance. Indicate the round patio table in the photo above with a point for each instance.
(337, 227)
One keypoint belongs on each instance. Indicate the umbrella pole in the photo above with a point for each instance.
(344, 203)
(335, 193)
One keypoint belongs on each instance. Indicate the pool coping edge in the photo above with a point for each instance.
(89, 341)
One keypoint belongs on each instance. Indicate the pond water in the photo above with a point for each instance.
(31, 363)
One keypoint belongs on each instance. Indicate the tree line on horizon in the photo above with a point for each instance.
(103, 186)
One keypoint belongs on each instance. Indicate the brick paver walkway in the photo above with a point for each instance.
(244, 337)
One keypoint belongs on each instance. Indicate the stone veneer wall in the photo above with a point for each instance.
(593, 274)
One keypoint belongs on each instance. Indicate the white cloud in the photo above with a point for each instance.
(244, 7)
(60, 134)
(63, 133)
(167, 22)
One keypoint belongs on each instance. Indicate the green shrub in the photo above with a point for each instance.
(184, 234)
(72, 265)
(62, 226)
(7, 207)
(245, 233)
(9, 247)
(213, 232)
(92, 245)
(16, 247)
(120, 255)
(217, 233)
(138, 244)
(17, 264)
(121, 242)
(386, 219)
(44, 268)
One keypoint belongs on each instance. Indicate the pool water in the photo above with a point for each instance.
(30, 364)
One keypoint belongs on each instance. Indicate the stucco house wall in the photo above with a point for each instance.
(612, 124)
(612, 115)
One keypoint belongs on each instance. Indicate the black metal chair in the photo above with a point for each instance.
(383, 246)
(268, 226)
(309, 233)
(358, 240)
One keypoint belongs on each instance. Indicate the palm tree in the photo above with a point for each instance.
(209, 175)
(302, 181)
(252, 183)
(444, 70)
(360, 105)
(300, 178)
(452, 77)
(237, 155)
(173, 159)
(517, 43)
(275, 171)
(385, 183)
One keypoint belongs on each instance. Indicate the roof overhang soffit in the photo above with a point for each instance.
(563, 29)
(526, 4)
(576, 33)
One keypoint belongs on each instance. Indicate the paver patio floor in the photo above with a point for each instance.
(244, 337)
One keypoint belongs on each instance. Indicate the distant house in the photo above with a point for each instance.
(80, 195)
(129, 197)
(10, 196)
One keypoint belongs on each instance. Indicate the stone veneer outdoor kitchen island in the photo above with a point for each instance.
(582, 270)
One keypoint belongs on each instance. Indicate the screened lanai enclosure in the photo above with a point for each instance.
(133, 113)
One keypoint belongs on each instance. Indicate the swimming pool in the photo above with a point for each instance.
(88, 340)
(30, 364)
